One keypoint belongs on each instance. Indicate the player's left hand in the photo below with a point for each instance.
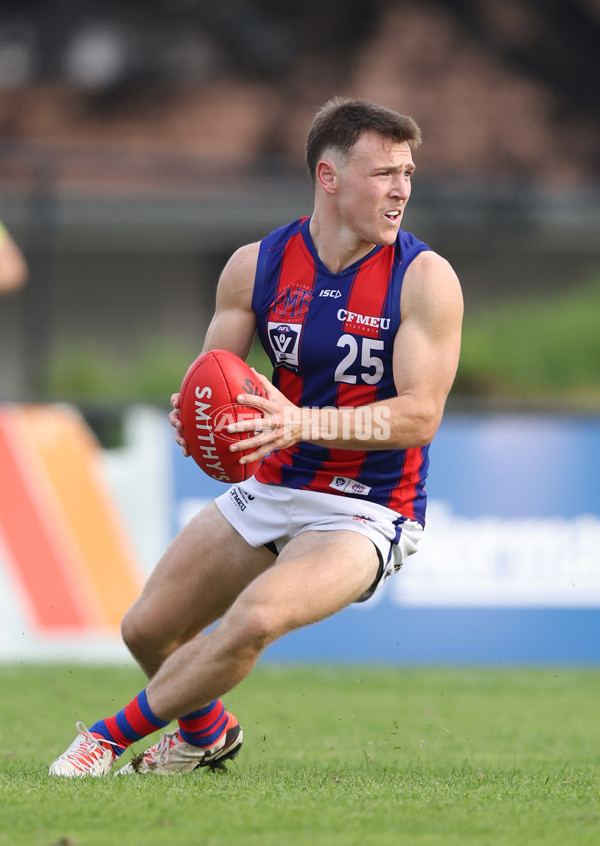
(279, 427)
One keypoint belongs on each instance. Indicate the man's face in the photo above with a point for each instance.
(373, 187)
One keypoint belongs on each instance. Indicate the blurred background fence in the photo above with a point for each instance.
(142, 142)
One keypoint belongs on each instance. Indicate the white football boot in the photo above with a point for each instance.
(173, 756)
(86, 756)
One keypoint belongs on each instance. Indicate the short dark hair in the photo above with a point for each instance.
(341, 120)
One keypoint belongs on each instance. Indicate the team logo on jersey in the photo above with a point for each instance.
(284, 339)
(351, 486)
(292, 304)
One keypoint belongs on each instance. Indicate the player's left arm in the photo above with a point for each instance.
(426, 350)
(425, 360)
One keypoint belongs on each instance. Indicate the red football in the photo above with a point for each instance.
(207, 406)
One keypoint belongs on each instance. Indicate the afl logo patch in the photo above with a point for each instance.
(284, 338)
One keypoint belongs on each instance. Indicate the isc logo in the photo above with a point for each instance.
(330, 292)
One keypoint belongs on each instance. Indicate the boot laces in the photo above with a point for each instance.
(161, 752)
(89, 748)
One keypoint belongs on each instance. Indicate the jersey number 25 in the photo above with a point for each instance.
(372, 365)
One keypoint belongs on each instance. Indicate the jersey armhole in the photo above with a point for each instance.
(412, 253)
(260, 279)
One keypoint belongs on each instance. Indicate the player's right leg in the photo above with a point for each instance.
(198, 578)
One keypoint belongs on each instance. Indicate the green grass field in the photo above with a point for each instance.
(334, 756)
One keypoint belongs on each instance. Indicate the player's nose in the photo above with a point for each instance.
(400, 187)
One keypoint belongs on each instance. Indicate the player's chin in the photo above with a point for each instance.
(387, 237)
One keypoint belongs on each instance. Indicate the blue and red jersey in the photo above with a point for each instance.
(330, 339)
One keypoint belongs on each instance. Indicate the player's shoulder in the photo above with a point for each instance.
(244, 259)
(431, 280)
(278, 238)
(429, 263)
(241, 267)
(243, 263)
(236, 281)
(430, 268)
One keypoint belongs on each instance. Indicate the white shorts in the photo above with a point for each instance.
(271, 515)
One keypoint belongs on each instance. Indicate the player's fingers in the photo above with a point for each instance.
(266, 384)
(256, 455)
(254, 400)
(250, 443)
(180, 441)
(253, 424)
(183, 444)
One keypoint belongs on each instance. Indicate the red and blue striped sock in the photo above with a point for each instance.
(205, 726)
(135, 721)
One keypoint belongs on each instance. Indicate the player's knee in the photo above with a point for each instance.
(138, 634)
(255, 626)
(131, 632)
(149, 641)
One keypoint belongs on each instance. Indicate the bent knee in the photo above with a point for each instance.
(142, 636)
(133, 631)
(254, 626)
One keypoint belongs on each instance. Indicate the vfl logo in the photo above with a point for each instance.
(292, 304)
(284, 338)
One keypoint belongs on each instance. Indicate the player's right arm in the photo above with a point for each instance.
(234, 323)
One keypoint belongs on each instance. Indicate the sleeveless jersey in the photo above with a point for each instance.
(330, 337)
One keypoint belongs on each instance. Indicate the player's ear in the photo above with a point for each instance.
(326, 176)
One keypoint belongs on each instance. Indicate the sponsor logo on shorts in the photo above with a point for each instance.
(343, 483)
(364, 518)
(240, 498)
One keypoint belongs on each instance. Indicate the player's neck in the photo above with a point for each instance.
(337, 246)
